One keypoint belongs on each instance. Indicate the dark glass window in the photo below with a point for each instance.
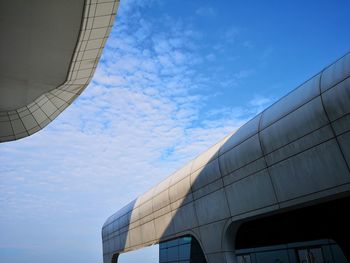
(277, 256)
(173, 253)
(181, 250)
(185, 252)
(312, 255)
(244, 259)
(163, 255)
(315, 251)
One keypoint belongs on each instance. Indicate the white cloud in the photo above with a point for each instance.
(248, 44)
(135, 124)
(205, 11)
(210, 57)
(233, 80)
(231, 34)
(259, 103)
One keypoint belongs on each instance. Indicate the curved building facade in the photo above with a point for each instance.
(280, 183)
(49, 51)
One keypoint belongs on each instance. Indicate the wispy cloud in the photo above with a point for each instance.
(205, 11)
(210, 57)
(231, 34)
(234, 79)
(266, 53)
(136, 123)
(260, 103)
(248, 44)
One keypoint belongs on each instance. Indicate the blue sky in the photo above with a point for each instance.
(174, 78)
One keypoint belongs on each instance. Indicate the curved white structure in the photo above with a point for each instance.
(49, 52)
(294, 154)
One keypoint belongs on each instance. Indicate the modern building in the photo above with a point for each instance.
(49, 51)
(276, 190)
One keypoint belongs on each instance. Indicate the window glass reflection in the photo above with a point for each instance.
(173, 254)
(244, 259)
(181, 250)
(185, 252)
(316, 251)
(312, 255)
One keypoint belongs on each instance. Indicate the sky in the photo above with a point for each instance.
(174, 78)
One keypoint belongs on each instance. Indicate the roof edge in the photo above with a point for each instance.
(97, 22)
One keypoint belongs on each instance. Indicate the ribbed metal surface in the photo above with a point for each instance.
(295, 152)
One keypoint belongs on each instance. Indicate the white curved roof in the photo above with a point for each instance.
(49, 51)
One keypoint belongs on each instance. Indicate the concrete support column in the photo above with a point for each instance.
(109, 258)
(218, 241)
(115, 258)
(221, 257)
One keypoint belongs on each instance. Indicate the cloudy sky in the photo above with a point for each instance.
(174, 78)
